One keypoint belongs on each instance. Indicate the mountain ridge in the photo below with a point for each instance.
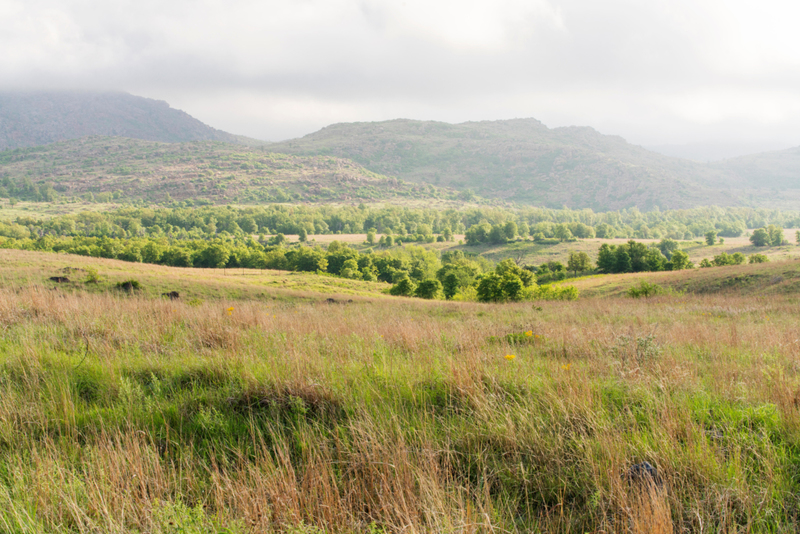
(38, 118)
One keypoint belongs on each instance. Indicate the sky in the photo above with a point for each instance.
(656, 72)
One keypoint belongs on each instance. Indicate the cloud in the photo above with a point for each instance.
(655, 72)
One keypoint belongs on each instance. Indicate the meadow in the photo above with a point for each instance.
(249, 407)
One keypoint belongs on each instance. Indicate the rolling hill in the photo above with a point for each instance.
(40, 118)
(215, 172)
(522, 160)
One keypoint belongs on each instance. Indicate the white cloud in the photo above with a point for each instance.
(657, 71)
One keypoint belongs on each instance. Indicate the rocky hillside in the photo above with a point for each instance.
(106, 168)
(40, 118)
(524, 161)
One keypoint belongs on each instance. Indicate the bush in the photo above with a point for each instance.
(757, 258)
(129, 285)
(550, 292)
(645, 289)
(428, 289)
(403, 288)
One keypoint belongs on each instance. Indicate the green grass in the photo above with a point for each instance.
(129, 412)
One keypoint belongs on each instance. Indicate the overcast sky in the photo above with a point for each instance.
(652, 71)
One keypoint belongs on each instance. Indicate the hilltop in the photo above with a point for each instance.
(214, 172)
(520, 160)
(40, 118)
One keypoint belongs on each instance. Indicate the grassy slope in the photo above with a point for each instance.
(140, 414)
(215, 171)
(20, 268)
(521, 160)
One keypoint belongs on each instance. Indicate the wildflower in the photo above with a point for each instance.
(566, 366)
(529, 333)
(537, 336)
(510, 357)
(230, 310)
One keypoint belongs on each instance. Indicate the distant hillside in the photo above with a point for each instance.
(520, 160)
(40, 118)
(131, 169)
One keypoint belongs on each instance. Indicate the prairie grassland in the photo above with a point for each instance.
(137, 414)
(21, 268)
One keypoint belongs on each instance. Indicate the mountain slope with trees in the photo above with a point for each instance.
(204, 172)
(524, 161)
(40, 118)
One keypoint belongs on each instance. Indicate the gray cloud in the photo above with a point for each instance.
(662, 71)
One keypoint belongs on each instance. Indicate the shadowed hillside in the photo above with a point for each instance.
(521, 160)
(39, 118)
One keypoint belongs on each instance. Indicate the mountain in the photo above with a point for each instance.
(40, 118)
(199, 171)
(524, 161)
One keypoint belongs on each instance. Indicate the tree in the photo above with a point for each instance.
(606, 258)
(579, 262)
(510, 230)
(371, 236)
(711, 237)
(563, 232)
(622, 261)
(403, 288)
(302, 234)
(490, 288)
(679, 261)
(775, 235)
(760, 237)
(450, 286)
(497, 234)
(428, 289)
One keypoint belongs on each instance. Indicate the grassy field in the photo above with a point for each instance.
(265, 409)
(22, 268)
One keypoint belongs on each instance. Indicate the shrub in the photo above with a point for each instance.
(92, 276)
(129, 285)
(757, 258)
(550, 292)
(645, 289)
(428, 289)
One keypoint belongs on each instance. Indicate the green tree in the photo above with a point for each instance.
(760, 237)
(450, 286)
(622, 261)
(371, 236)
(606, 258)
(775, 235)
(404, 287)
(563, 232)
(490, 288)
(214, 256)
(579, 262)
(428, 289)
(711, 237)
(679, 261)
(302, 234)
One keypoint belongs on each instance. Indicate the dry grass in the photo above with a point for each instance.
(135, 414)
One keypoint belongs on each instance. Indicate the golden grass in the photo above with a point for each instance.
(124, 413)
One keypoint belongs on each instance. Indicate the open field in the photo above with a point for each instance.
(134, 413)
(20, 268)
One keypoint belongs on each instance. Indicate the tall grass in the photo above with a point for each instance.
(129, 414)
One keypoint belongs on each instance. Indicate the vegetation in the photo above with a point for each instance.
(139, 413)
(523, 161)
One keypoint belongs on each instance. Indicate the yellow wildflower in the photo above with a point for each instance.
(510, 357)
(230, 310)
(529, 333)
(566, 366)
